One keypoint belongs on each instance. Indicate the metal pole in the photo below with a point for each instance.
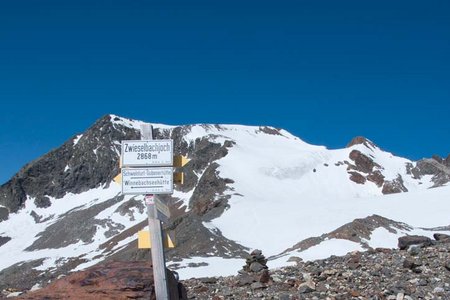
(156, 236)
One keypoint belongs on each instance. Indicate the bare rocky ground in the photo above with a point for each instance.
(419, 269)
(112, 280)
(418, 272)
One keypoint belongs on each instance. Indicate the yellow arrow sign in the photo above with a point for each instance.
(144, 241)
(178, 177)
(118, 178)
(180, 160)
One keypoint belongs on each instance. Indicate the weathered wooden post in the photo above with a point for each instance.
(147, 169)
(156, 235)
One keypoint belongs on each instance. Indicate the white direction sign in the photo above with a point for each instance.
(147, 153)
(147, 181)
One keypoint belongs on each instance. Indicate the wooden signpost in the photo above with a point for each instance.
(148, 169)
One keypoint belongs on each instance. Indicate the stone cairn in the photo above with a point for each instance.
(255, 262)
(255, 273)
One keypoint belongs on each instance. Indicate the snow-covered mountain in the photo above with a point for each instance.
(245, 188)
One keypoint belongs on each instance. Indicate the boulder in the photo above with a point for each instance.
(42, 202)
(441, 237)
(405, 241)
(114, 280)
(307, 287)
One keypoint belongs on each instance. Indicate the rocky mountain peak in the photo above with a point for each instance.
(361, 140)
(83, 162)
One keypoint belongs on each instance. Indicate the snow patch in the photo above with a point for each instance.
(135, 124)
(323, 250)
(383, 238)
(77, 139)
(184, 197)
(23, 229)
(284, 183)
(213, 229)
(35, 287)
(209, 266)
(14, 294)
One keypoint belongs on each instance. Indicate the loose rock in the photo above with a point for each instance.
(372, 275)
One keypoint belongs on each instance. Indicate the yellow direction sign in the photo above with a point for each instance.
(118, 178)
(145, 243)
(178, 177)
(180, 160)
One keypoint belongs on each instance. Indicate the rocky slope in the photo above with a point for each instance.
(83, 168)
(63, 213)
(358, 231)
(421, 271)
(362, 167)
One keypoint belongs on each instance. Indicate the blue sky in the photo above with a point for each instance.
(324, 70)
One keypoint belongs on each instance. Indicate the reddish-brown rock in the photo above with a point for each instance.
(113, 280)
(265, 276)
(355, 293)
(377, 178)
(361, 140)
(356, 177)
(362, 162)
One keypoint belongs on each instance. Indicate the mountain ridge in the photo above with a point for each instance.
(78, 218)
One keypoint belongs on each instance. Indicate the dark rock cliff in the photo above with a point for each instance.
(75, 168)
